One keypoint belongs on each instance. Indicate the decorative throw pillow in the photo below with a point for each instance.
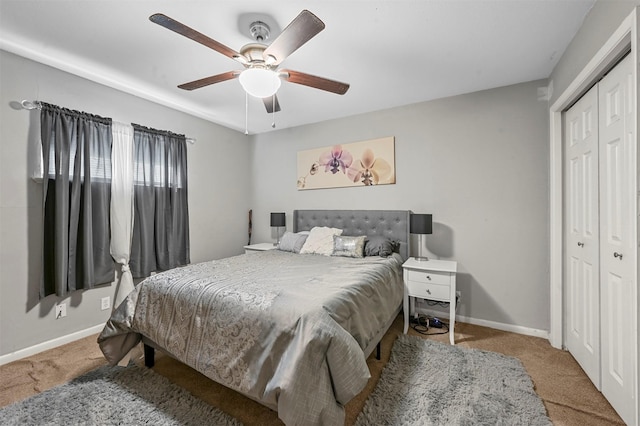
(292, 242)
(320, 241)
(379, 246)
(348, 246)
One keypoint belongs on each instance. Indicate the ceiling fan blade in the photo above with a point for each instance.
(315, 81)
(302, 29)
(210, 80)
(269, 103)
(182, 29)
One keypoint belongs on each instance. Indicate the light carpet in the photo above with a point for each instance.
(431, 383)
(130, 395)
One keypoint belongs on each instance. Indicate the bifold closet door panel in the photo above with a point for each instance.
(618, 252)
(583, 235)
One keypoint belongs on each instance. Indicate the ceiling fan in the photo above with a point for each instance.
(261, 76)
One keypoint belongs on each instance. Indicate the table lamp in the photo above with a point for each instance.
(420, 224)
(278, 221)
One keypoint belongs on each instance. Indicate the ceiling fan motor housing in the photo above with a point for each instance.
(253, 53)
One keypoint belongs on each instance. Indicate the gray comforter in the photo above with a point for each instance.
(287, 330)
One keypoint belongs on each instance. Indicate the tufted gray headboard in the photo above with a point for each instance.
(393, 224)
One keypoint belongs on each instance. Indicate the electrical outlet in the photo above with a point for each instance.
(61, 310)
(105, 303)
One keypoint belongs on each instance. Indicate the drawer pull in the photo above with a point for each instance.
(429, 277)
(618, 255)
(428, 291)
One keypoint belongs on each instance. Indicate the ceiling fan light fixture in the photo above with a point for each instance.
(260, 82)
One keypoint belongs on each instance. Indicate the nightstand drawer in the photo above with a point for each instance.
(428, 291)
(429, 277)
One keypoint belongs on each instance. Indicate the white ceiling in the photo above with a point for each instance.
(392, 53)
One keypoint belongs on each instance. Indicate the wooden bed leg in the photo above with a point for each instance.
(149, 356)
(378, 351)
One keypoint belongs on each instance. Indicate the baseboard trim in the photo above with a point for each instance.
(527, 331)
(49, 344)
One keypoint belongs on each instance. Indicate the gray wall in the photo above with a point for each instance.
(478, 162)
(603, 19)
(217, 209)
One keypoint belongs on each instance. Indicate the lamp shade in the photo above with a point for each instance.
(420, 224)
(260, 82)
(277, 219)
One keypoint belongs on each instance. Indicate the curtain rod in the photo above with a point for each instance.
(30, 105)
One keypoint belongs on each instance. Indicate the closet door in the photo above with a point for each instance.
(617, 237)
(582, 289)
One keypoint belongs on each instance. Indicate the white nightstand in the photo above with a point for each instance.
(432, 280)
(259, 247)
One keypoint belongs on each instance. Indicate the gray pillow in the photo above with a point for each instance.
(348, 246)
(292, 242)
(379, 246)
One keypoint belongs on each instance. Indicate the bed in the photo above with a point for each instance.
(291, 331)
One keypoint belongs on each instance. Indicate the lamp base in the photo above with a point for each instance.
(420, 257)
(277, 243)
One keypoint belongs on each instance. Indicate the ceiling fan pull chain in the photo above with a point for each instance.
(246, 113)
(273, 111)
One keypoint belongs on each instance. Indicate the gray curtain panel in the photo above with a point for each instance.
(76, 149)
(161, 213)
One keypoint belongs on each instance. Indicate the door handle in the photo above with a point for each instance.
(618, 255)
(580, 244)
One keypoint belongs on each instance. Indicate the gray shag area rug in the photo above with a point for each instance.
(430, 383)
(115, 396)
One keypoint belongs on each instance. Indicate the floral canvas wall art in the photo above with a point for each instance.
(363, 163)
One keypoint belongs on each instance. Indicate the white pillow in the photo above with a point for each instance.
(320, 241)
